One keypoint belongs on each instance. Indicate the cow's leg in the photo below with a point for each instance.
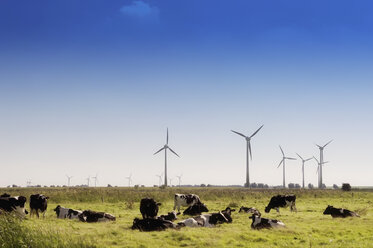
(30, 212)
(37, 213)
(294, 207)
(44, 214)
(278, 210)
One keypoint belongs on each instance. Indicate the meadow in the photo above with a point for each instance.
(306, 228)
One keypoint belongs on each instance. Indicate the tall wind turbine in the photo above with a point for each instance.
(96, 179)
(88, 179)
(248, 151)
(283, 166)
(170, 181)
(165, 148)
(303, 162)
(321, 161)
(160, 179)
(179, 177)
(129, 180)
(68, 180)
(319, 165)
(28, 183)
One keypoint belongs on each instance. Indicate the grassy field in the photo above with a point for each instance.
(306, 228)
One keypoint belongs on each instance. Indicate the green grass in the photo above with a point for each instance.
(306, 228)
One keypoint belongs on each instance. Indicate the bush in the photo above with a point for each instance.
(310, 186)
(346, 187)
(335, 186)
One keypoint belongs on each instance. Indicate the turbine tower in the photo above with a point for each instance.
(319, 165)
(129, 180)
(283, 166)
(68, 180)
(321, 161)
(248, 151)
(179, 177)
(88, 179)
(303, 162)
(96, 179)
(160, 179)
(165, 148)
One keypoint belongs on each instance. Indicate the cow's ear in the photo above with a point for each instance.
(178, 213)
(232, 210)
(47, 197)
(159, 204)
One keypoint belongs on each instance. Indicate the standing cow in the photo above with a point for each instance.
(149, 208)
(185, 200)
(281, 201)
(38, 203)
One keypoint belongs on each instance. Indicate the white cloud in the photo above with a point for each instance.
(140, 9)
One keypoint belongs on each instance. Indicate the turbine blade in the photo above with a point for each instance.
(327, 144)
(239, 133)
(300, 156)
(307, 159)
(251, 156)
(318, 146)
(317, 172)
(167, 137)
(316, 160)
(291, 158)
(256, 131)
(173, 152)
(159, 150)
(280, 163)
(283, 154)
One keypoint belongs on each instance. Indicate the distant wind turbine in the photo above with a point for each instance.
(319, 165)
(68, 180)
(179, 177)
(303, 162)
(88, 180)
(248, 151)
(160, 179)
(129, 180)
(165, 147)
(283, 166)
(170, 182)
(96, 179)
(321, 161)
(28, 183)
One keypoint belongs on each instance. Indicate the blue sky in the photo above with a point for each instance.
(90, 87)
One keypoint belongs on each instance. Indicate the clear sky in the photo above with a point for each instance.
(90, 87)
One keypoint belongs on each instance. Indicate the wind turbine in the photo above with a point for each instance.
(165, 147)
(160, 179)
(88, 179)
(28, 183)
(248, 151)
(283, 166)
(68, 180)
(129, 180)
(303, 162)
(96, 179)
(319, 165)
(179, 177)
(321, 161)
(170, 182)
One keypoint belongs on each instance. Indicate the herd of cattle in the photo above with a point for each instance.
(149, 211)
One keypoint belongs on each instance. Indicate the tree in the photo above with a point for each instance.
(310, 186)
(346, 187)
(335, 186)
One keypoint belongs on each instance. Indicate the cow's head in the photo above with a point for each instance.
(136, 223)
(242, 209)
(328, 210)
(173, 215)
(57, 209)
(267, 209)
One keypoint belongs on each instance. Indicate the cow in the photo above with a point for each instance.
(250, 210)
(171, 216)
(63, 213)
(204, 220)
(150, 224)
(281, 201)
(149, 208)
(260, 223)
(38, 203)
(339, 212)
(196, 209)
(13, 204)
(92, 216)
(185, 200)
(227, 214)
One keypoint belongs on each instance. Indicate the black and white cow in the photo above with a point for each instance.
(281, 201)
(38, 203)
(149, 208)
(196, 209)
(227, 214)
(67, 213)
(171, 216)
(150, 224)
(204, 220)
(260, 223)
(339, 212)
(92, 216)
(185, 200)
(13, 204)
(249, 210)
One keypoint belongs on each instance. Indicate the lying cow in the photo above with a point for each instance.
(249, 210)
(13, 204)
(340, 212)
(260, 223)
(171, 216)
(185, 200)
(150, 224)
(281, 201)
(38, 203)
(196, 209)
(204, 220)
(149, 208)
(67, 213)
(92, 216)
(227, 214)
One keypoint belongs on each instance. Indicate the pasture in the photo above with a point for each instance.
(306, 228)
